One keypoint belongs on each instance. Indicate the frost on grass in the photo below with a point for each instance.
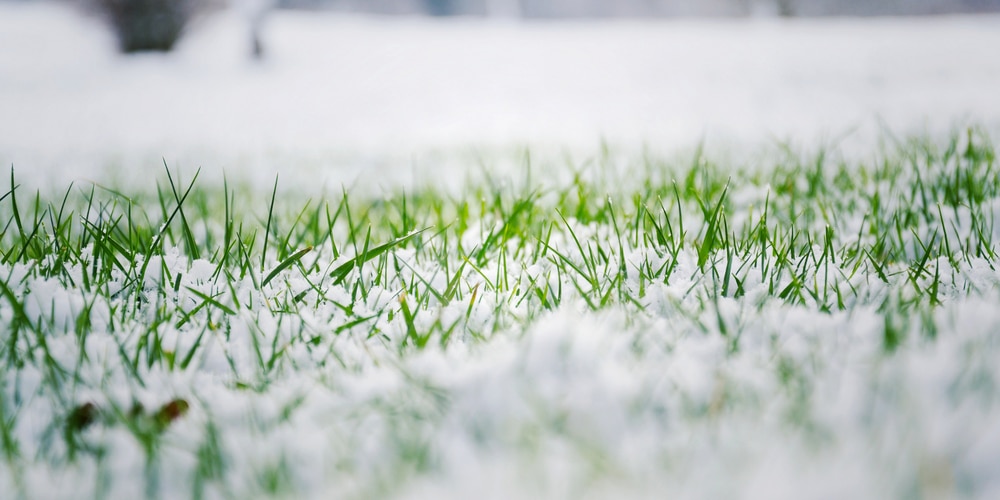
(805, 327)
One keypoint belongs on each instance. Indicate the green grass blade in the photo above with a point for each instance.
(341, 272)
(291, 259)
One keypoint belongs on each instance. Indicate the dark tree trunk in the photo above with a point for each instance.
(440, 7)
(147, 25)
(786, 8)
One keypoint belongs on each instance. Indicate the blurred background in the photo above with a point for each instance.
(627, 8)
(336, 86)
(642, 8)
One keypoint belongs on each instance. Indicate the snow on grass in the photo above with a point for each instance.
(804, 327)
(814, 323)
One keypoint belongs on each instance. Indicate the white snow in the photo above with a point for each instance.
(574, 405)
(369, 93)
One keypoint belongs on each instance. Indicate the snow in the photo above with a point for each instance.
(338, 96)
(576, 404)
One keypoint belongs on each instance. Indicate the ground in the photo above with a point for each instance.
(413, 259)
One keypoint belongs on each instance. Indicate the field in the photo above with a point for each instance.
(666, 279)
(587, 329)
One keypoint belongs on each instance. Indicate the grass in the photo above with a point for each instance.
(148, 337)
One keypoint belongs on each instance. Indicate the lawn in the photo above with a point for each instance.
(797, 324)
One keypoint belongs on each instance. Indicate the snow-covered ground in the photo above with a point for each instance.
(335, 87)
(679, 392)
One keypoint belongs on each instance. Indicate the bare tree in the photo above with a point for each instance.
(257, 12)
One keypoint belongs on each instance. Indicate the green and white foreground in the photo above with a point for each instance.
(800, 327)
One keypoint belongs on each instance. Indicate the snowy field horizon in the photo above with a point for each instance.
(414, 258)
(337, 93)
